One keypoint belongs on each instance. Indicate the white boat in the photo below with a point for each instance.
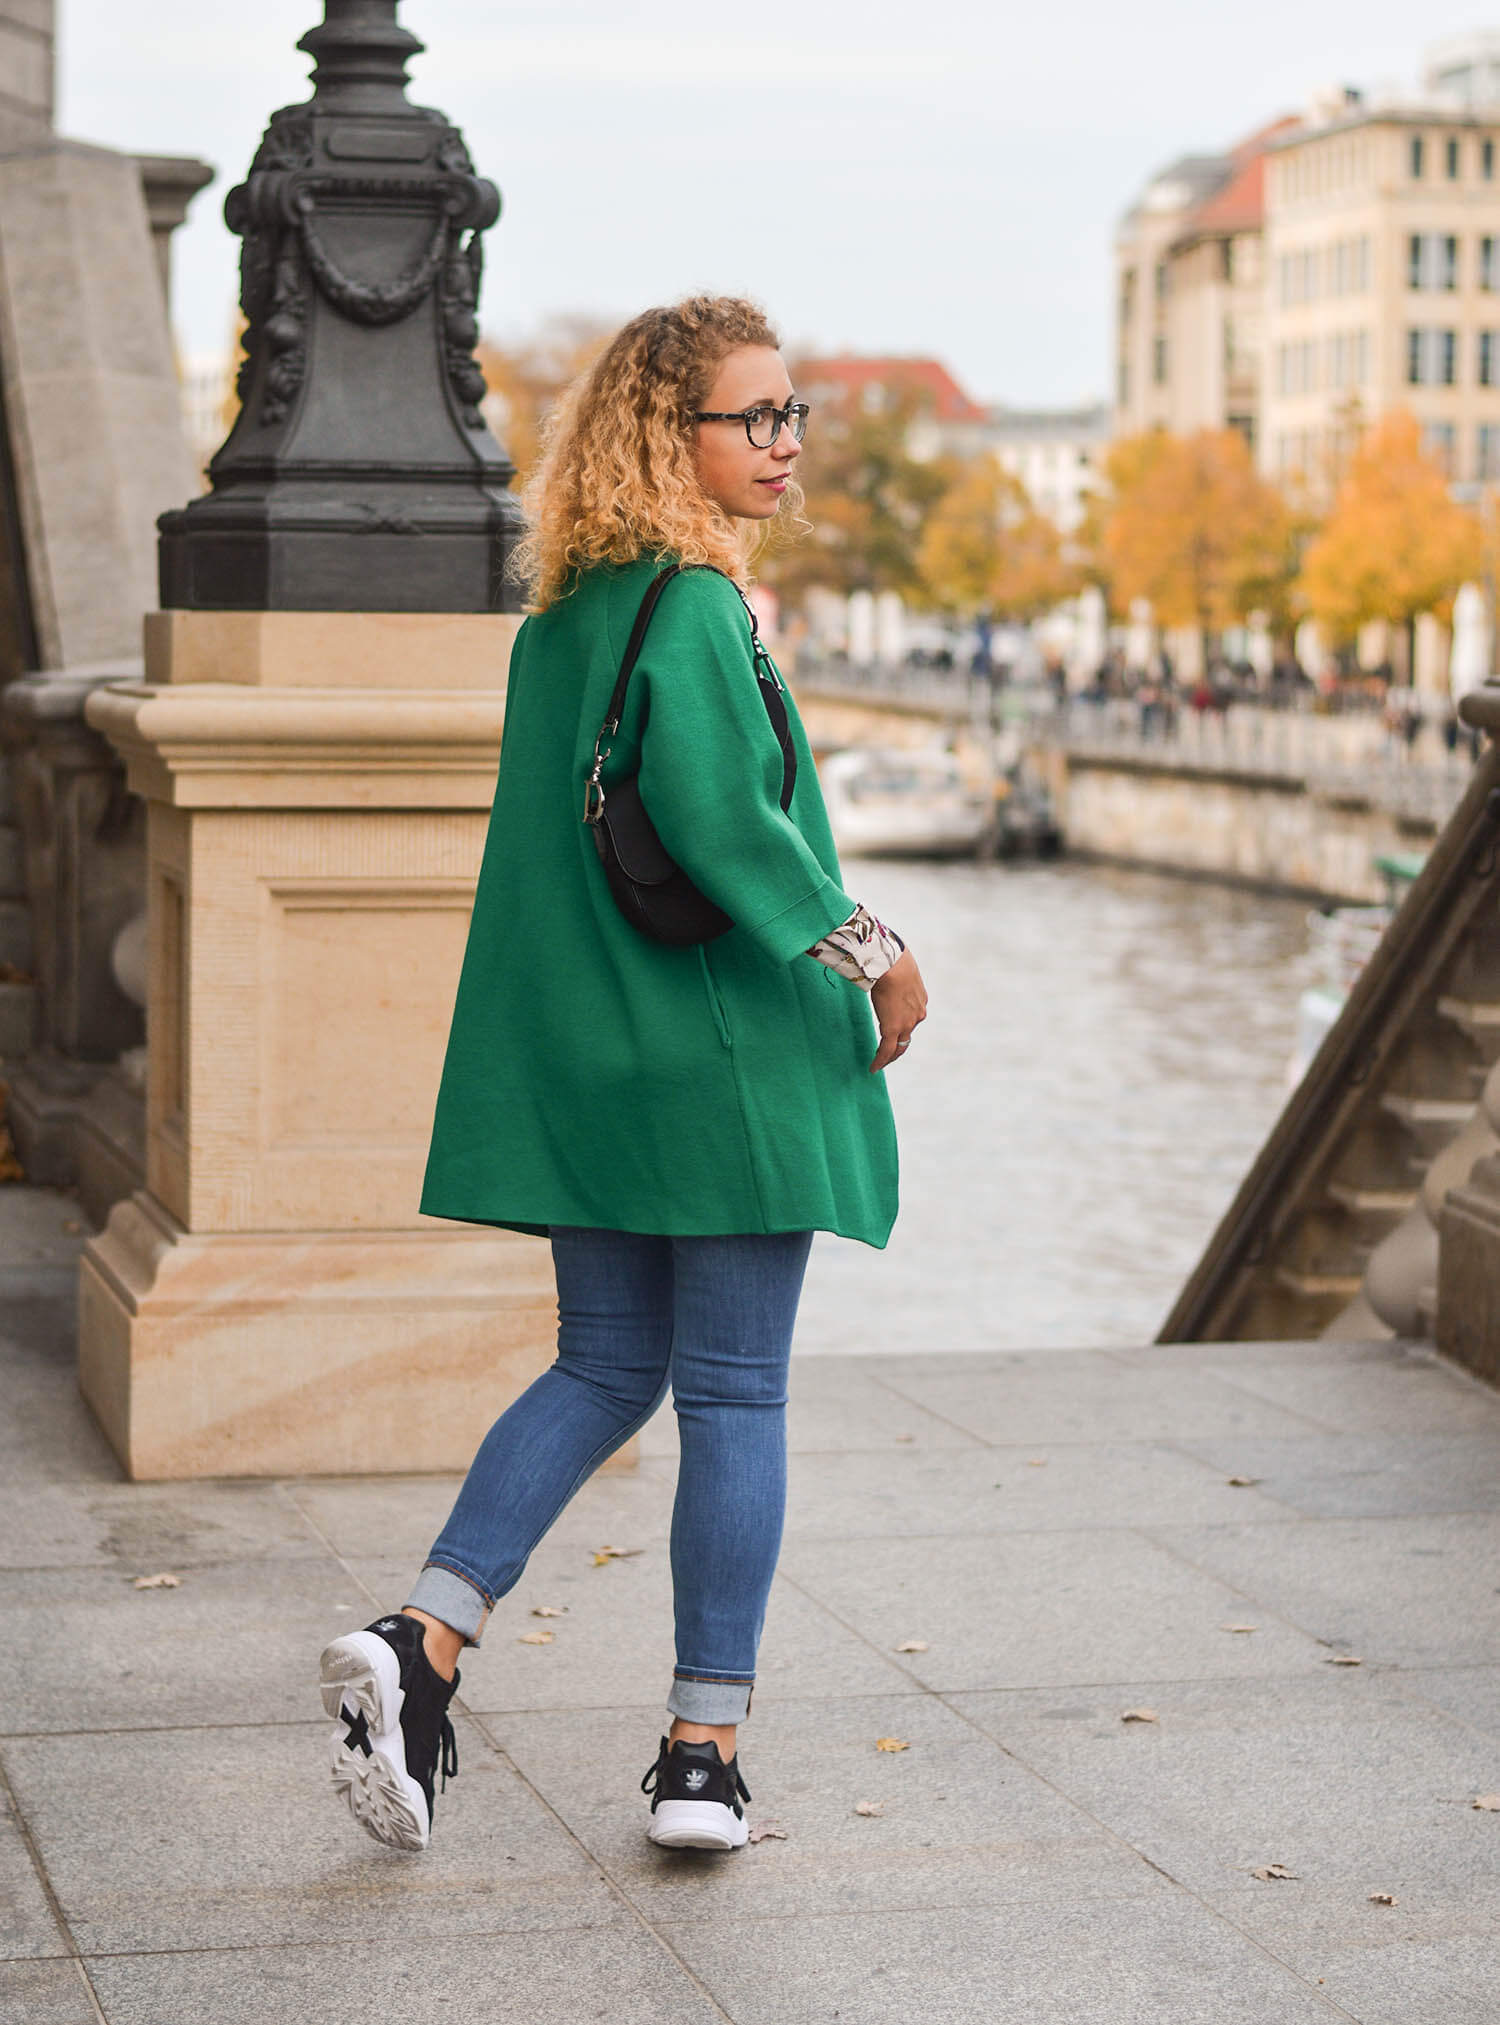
(885, 803)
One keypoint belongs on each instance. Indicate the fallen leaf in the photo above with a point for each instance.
(550, 1610)
(536, 1638)
(1487, 1803)
(72, 1228)
(768, 1831)
(892, 1744)
(912, 1645)
(1269, 1870)
(1344, 1659)
(157, 1582)
(1382, 1898)
(1036, 1462)
(603, 1554)
(1239, 1627)
(869, 1808)
(1139, 1716)
(906, 1437)
(1242, 1483)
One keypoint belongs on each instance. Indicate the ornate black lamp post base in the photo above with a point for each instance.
(360, 475)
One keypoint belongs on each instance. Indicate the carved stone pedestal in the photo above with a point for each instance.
(271, 1301)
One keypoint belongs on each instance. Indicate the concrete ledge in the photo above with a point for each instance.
(332, 650)
(250, 1356)
(229, 746)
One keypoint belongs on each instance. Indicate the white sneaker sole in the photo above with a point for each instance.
(359, 1675)
(697, 1824)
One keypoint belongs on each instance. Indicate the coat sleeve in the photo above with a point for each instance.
(711, 771)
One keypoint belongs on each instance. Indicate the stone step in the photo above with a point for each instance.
(1432, 1121)
(1479, 1019)
(1388, 1203)
(1319, 1286)
(18, 1017)
(16, 943)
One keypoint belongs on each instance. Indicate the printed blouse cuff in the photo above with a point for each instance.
(862, 949)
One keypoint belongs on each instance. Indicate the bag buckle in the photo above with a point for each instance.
(593, 793)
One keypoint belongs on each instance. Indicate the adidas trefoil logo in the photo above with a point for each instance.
(695, 1779)
(387, 1624)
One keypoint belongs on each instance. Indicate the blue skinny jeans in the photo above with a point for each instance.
(712, 1318)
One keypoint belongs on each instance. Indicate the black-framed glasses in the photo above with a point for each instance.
(764, 424)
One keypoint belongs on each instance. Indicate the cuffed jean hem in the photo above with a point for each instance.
(448, 1597)
(709, 1701)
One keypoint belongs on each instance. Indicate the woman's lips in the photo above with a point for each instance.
(775, 484)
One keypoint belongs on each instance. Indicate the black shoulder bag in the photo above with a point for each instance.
(650, 888)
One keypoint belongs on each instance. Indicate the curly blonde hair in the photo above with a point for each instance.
(618, 477)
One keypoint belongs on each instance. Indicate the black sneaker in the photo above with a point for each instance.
(391, 1707)
(695, 1798)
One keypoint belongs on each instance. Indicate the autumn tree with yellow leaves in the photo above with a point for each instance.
(1395, 544)
(529, 374)
(1188, 523)
(985, 548)
(868, 501)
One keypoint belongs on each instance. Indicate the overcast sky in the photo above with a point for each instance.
(937, 177)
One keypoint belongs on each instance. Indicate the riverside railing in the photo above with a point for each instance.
(1357, 754)
(1358, 757)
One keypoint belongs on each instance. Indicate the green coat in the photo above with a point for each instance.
(596, 1077)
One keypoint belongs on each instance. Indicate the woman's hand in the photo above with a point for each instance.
(900, 1002)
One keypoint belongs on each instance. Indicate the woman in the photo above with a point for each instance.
(678, 1121)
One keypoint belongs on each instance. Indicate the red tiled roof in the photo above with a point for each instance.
(1240, 206)
(924, 376)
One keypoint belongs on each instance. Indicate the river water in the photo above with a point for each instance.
(1104, 1053)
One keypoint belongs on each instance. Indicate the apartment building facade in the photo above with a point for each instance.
(1055, 452)
(1332, 267)
(1382, 257)
(1190, 295)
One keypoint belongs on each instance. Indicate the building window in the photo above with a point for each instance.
(1159, 361)
(1487, 451)
(1451, 160)
(1362, 359)
(1161, 280)
(1362, 269)
(1439, 443)
(1487, 160)
(1489, 266)
(1432, 261)
(1418, 157)
(1431, 358)
(1489, 358)
(1124, 383)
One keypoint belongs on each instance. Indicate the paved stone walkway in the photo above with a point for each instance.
(1062, 1533)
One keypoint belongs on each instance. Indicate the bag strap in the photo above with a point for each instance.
(765, 675)
(633, 646)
